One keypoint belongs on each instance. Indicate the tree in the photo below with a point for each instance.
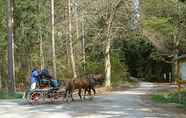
(83, 44)
(10, 27)
(53, 38)
(70, 40)
(109, 22)
(34, 30)
(40, 37)
(77, 17)
(0, 74)
(41, 50)
(135, 14)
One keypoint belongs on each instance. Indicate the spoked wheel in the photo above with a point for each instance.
(36, 97)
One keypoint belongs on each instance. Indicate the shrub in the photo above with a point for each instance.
(171, 97)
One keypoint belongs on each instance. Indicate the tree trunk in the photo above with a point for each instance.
(10, 22)
(107, 50)
(70, 41)
(77, 18)
(0, 71)
(53, 39)
(40, 37)
(41, 50)
(135, 14)
(83, 45)
(107, 58)
(67, 35)
(108, 43)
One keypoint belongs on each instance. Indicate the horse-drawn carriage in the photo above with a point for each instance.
(47, 91)
(51, 90)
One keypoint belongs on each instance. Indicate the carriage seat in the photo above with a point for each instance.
(45, 83)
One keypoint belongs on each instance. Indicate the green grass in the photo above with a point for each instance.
(159, 98)
(6, 95)
(171, 97)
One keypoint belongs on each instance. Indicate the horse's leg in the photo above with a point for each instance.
(85, 91)
(80, 94)
(89, 91)
(71, 94)
(66, 95)
(94, 91)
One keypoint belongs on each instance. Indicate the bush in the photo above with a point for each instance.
(159, 98)
(93, 67)
(171, 97)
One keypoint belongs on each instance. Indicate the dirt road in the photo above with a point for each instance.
(120, 104)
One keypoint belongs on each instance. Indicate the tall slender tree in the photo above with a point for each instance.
(108, 46)
(10, 28)
(53, 38)
(110, 17)
(77, 17)
(70, 39)
(0, 73)
(41, 50)
(67, 34)
(40, 37)
(135, 14)
(83, 44)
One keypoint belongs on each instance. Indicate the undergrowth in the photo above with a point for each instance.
(178, 97)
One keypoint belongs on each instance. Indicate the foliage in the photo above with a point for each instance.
(161, 25)
(32, 22)
(93, 67)
(171, 97)
(132, 51)
(120, 73)
(137, 52)
(3, 42)
(167, 19)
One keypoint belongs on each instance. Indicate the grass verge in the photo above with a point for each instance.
(7, 95)
(171, 97)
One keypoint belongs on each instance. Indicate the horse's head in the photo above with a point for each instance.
(99, 78)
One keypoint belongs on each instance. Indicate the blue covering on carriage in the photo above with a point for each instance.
(52, 83)
(55, 83)
(44, 81)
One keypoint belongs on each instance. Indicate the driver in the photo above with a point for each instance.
(34, 79)
(45, 74)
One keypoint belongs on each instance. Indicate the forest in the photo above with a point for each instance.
(71, 38)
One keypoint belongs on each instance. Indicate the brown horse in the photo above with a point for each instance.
(75, 84)
(87, 83)
(94, 79)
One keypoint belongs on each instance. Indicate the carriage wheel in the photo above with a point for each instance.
(36, 97)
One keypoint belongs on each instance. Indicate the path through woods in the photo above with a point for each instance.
(120, 104)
